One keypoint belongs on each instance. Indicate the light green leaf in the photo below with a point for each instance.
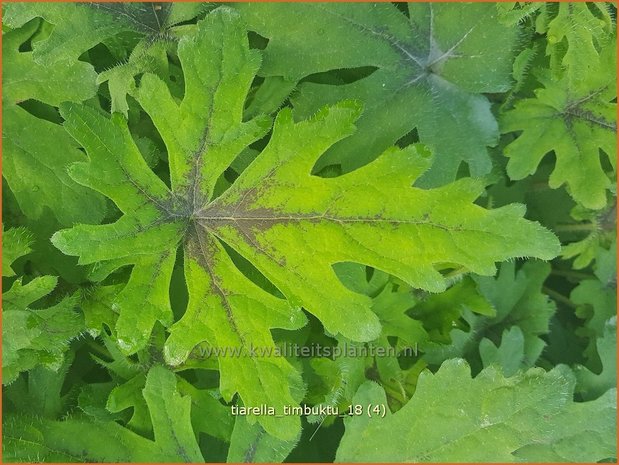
(120, 366)
(512, 13)
(391, 307)
(16, 243)
(98, 307)
(431, 72)
(600, 227)
(78, 27)
(509, 354)
(19, 296)
(208, 414)
(252, 444)
(577, 123)
(48, 184)
(151, 53)
(37, 175)
(452, 417)
(268, 217)
(270, 96)
(400, 335)
(591, 385)
(129, 395)
(519, 302)
(147, 56)
(170, 414)
(575, 34)
(81, 439)
(34, 337)
(596, 301)
(25, 79)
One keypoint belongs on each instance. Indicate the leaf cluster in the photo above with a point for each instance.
(191, 189)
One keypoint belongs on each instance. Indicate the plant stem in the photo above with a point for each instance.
(99, 350)
(587, 227)
(454, 276)
(558, 297)
(572, 274)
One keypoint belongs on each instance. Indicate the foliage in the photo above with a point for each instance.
(426, 74)
(193, 192)
(526, 417)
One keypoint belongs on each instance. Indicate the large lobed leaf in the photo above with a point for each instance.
(431, 69)
(291, 225)
(454, 418)
(28, 158)
(578, 122)
(78, 27)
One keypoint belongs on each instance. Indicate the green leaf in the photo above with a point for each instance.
(78, 27)
(129, 395)
(208, 414)
(592, 385)
(151, 53)
(391, 307)
(576, 122)
(40, 393)
(440, 312)
(512, 13)
(575, 35)
(252, 444)
(98, 307)
(596, 301)
(120, 365)
(451, 417)
(228, 186)
(48, 184)
(80, 439)
(170, 415)
(16, 243)
(400, 337)
(522, 311)
(33, 337)
(147, 56)
(26, 157)
(129, 182)
(266, 216)
(519, 300)
(92, 399)
(334, 381)
(24, 79)
(510, 354)
(431, 72)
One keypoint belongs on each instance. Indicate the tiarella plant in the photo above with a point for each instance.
(218, 217)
